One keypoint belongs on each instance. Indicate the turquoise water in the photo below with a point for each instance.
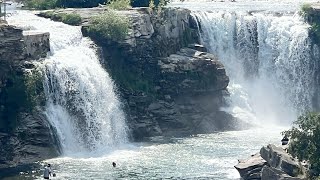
(203, 156)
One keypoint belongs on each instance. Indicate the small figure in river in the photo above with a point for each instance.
(114, 164)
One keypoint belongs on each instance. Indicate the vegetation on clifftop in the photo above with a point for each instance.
(119, 4)
(305, 141)
(313, 19)
(116, 4)
(71, 19)
(110, 26)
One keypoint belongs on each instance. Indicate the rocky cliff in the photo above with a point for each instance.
(25, 135)
(169, 85)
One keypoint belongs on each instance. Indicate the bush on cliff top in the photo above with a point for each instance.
(146, 3)
(119, 4)
(72, 19)
(313, 19)
(116, 4)
(109, 25)
(305, 140)
(41, 4)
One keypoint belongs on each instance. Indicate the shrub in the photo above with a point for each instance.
(145, 3)
(110, 26)
(305, 9)
(119, 4)
(72, 19)
(79, 3)
(151, 4)
(305, 140)
(41, 4)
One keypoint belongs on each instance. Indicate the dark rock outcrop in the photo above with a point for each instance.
(167, 88)
(278, 158)
(268, 173)
(169, 85)
(25, 135)
(251, 168)
(271, 163)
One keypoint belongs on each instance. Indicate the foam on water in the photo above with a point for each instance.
(269, 61)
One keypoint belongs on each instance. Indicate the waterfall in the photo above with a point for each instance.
(268, 59)
(81, 101)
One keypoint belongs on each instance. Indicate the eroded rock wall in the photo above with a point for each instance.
(25, 135)
(169, 85)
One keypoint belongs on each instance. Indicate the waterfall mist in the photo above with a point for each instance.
(269, 61)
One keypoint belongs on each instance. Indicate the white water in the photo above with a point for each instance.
(268, 59)
(82, 104)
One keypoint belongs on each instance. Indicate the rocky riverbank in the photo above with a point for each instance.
(271, 162)
(25, 135)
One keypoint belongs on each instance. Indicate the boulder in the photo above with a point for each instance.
(275, 174)
(271, 163)
(278, 158)
(251, 168)
(192, 71)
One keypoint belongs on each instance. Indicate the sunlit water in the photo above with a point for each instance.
(210, 156)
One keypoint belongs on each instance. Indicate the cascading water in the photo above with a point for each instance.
(269, 61)
(81, 102)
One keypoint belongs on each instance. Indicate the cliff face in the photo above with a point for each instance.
(25, 135)
(169, 85)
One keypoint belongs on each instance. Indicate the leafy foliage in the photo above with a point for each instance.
(110, 26)
(79, 3)
(115, 4)
(313, 19)
(119, 4)
(146, 3)
(305, 140)
(41, 4)
(305, 9)
(72, 19)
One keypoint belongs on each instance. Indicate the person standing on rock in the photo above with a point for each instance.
(47, 172)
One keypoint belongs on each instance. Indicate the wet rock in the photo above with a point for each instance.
(275, 174)
(25, 135)
(251, 168)
(271, 163)
(278, 158)
(167, 89)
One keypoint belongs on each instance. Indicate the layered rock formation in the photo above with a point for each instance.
(271, 163)
(25, 134)
(167, 89)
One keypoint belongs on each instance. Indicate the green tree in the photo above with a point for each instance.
(305, 140)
